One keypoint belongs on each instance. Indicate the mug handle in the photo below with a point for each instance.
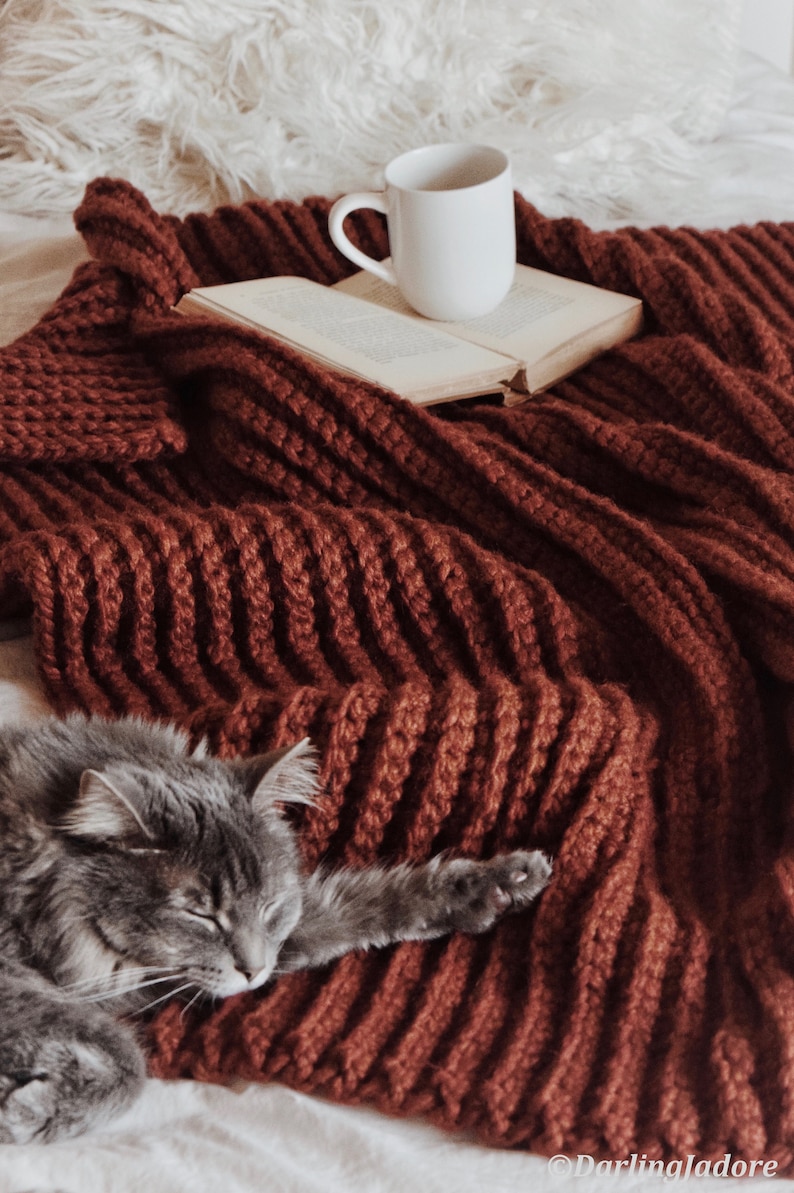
(376, 200)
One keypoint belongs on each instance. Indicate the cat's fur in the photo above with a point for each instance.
(132, 869)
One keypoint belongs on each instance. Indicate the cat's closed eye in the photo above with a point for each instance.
(206, 918)
(277, 916)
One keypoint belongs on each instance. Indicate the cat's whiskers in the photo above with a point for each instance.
(163, 997)
(101, 995)
(118, 975)
(110, 982)
(187, 1006)
(103, 987)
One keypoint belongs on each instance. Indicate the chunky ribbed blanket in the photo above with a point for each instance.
(566, 625)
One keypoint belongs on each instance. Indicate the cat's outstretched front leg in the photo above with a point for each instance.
(358, 909)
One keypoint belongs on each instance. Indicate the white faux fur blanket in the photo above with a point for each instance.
(605, 106)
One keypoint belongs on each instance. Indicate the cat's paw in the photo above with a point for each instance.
(52, 1088)
(24, 1104)
(477, 894)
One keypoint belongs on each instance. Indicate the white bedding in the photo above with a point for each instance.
(185, 1136)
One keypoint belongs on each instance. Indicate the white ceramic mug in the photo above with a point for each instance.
(452, 234)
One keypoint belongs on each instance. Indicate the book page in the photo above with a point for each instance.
(541, 312)
(367, 340)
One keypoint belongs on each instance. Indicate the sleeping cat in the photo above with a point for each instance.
(132, 870)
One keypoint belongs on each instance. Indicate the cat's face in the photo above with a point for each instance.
(190, 871)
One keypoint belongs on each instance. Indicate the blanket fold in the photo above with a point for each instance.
(569, 624)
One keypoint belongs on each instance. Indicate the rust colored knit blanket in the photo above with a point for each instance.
(567, 625)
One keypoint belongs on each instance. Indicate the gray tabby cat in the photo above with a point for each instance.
(132, 870)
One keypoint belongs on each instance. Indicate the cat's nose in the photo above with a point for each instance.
(248, 964)
(254, 957)
(254, 975)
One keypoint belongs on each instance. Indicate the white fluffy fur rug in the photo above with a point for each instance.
(603, 105)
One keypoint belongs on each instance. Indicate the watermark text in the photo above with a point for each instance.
(638, 1164)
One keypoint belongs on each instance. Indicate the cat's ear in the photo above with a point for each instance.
(103, 812)
(287, 776)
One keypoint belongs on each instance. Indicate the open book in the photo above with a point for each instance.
(546, 328)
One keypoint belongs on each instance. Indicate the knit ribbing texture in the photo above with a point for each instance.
(567, 625)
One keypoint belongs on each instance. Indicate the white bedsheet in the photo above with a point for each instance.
(183, 1136)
